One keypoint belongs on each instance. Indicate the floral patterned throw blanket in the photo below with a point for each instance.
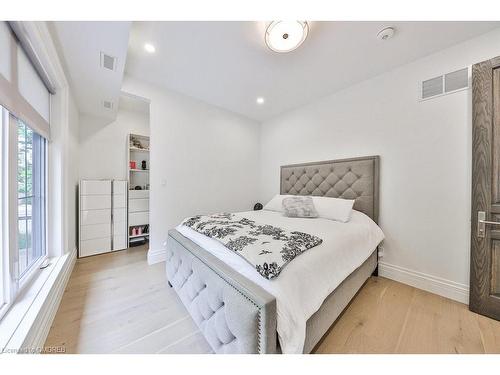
(266, 247)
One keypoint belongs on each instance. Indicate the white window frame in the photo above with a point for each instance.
(4, 229)
(13, 285)
(9, 212)
(33, 269)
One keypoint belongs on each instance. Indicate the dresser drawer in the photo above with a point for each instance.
(95, 217)
(89, 232)
(120, 229)
(120, 215)
(95, 246)
(138, 194)
(93, 187)
(119, 201)
(95, 202)
(119, 242)
(138, 205)
(138, 218)
(120, 187)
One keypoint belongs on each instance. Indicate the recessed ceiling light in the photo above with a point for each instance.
(285, 36)
(149, 48)
(260, 100)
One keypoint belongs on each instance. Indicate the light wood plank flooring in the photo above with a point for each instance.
(116, 303)
(390, 317)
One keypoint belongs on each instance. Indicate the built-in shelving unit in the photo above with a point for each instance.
(138, 195)
(135, 149)
(140, 235)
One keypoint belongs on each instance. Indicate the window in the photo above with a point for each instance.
(22, 205)
(3, 215)
(25, 96)
(31, 244)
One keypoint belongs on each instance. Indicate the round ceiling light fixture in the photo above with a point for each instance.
(386, 33)
(285, 36)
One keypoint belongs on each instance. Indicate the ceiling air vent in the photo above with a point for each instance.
(445, 84)
(107, 104)
(108, 62)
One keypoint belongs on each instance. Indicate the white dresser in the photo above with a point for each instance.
(95, 217)
(103, 216)
(119, 218)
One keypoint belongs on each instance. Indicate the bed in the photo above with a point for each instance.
(239, 313)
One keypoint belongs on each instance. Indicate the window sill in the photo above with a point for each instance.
(26, 323)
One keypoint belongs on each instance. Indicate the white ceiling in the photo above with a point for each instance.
(228, 65)
(80, 44)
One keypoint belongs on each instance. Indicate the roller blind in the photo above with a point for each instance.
(22, 91)
(5, 50)
(31, 86)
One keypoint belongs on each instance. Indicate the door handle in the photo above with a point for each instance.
(482, 222)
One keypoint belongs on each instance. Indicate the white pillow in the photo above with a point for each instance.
(337, 209)
(276, 204)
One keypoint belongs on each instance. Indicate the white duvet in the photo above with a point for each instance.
(304, 283)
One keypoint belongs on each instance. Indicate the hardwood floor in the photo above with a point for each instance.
(116, 303)
(390, 317)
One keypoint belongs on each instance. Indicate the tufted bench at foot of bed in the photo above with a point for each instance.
(234, 314)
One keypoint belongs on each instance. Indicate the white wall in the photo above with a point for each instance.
(63, 174)
(203, 159)
(62, 148)
(72, 174)
(425, 150)
(103, 144)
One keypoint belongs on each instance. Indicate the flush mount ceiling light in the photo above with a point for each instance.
(260, 100)
(149, 48)
(386, 33)
(285, 36)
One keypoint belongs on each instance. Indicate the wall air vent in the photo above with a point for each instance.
(108, 62)
(456, 80)
(432, 87)
(445, 84)
(107, 104)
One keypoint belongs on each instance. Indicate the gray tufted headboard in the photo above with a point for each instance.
(355, 178)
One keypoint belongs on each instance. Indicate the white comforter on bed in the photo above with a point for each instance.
(305, 283)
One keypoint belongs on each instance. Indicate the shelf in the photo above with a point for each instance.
(138, 149)
(139, 170)
(139, 136)
(139, 235)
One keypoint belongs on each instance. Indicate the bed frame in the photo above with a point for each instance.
(236, 315)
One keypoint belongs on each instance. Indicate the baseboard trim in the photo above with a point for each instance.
(446, 288)
(157, 256)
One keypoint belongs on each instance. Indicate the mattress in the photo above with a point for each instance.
(307, 281)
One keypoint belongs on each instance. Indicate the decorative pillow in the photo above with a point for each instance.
(337, 209)
(296, 206)
(276, 204)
